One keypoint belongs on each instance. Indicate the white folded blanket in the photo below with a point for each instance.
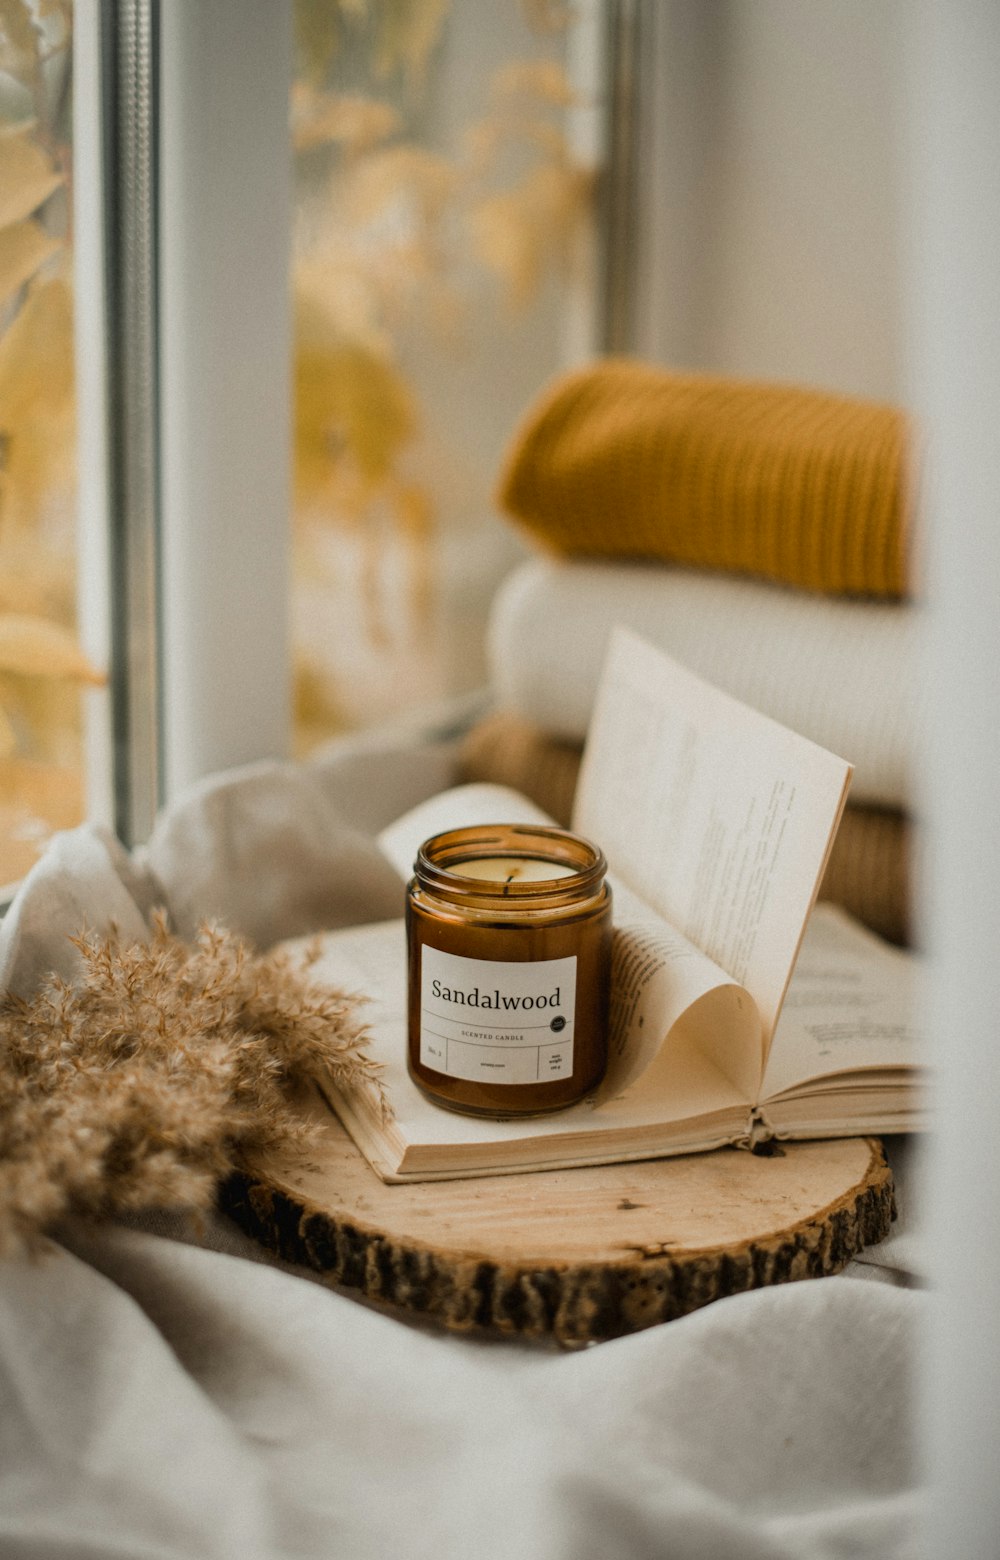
(840, 672)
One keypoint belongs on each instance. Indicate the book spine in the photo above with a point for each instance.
(759, 1130)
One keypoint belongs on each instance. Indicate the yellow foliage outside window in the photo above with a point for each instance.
(404, 246)
(41, 664)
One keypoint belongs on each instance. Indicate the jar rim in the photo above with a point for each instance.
(437, 867)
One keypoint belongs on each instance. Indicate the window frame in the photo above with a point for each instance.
(183, 182)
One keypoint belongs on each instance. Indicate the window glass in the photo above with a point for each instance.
(443, 218)
(42, 669)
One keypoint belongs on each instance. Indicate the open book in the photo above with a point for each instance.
(717, 824)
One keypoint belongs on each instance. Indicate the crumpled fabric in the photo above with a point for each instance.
(160, 1399)
(170, 1390)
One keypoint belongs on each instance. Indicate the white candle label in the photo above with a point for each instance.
(492, 1022)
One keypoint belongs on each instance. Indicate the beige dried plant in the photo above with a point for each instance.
(143, 1083)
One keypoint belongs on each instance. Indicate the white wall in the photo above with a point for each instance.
(772, 174)
(954, 240)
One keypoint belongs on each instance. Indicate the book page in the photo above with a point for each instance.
(461, 807)
(658, 980)
(720, 818)
(850, 1007)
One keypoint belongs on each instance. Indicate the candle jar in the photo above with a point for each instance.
(509, 949)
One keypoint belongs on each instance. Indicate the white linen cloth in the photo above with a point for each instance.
(842, 673)
(165, 1393)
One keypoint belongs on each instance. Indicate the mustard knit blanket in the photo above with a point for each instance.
(622, 459)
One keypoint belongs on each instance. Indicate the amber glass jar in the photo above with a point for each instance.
(509, 946)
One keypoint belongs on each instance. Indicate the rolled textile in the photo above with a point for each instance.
(839, 672)
(503, 749)
(869, 867)
(624, 459)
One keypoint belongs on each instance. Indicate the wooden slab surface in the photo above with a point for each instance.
(571, 1255)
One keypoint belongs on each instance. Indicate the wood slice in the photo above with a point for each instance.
(574, 1256)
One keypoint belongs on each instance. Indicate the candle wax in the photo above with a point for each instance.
(512, 869)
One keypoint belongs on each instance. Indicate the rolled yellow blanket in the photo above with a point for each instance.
(869, 867)
(622, 459)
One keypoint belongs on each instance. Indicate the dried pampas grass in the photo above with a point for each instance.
(139, 1085)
